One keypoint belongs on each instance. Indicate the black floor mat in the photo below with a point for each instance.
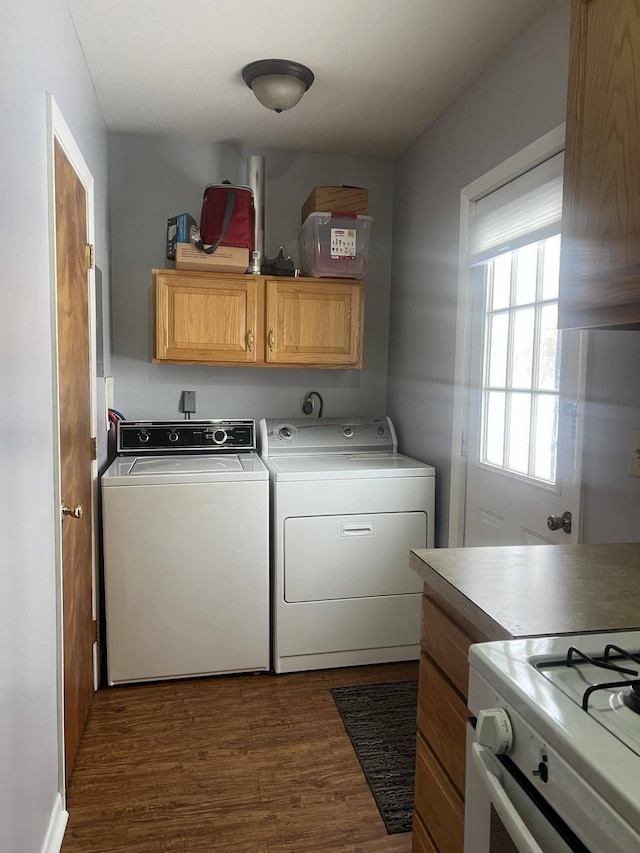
(380, 719)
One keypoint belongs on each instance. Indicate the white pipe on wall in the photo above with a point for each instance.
(255, 179)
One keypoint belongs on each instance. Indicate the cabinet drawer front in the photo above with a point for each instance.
(446, 643)
(420, 841)
(437, 802)
(442, 718)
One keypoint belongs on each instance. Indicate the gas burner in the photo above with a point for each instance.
(631, 697)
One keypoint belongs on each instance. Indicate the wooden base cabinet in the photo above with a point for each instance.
(600, 258)
(206, 318)
(442, 719)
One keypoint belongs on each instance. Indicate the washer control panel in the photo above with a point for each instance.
(326, 435)
(185, 436)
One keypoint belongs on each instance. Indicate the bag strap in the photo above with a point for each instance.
(226, 221)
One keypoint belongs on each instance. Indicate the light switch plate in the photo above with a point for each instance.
(634, 453)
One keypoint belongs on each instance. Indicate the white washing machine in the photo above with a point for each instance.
(186, 545)
(346, 510)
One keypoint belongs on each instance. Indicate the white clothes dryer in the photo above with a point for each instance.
(346, 508)
(186, 551)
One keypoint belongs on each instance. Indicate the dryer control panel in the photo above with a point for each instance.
(186, 436)
(326, 435)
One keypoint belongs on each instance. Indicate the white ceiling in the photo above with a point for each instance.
(384, 69)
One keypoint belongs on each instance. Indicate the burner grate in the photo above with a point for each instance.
(629, 687)
(604, 662)
(628, 698)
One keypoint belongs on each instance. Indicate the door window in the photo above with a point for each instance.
(521, 370)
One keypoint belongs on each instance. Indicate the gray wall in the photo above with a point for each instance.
(521, 97)
(152, 178)
(40, 53)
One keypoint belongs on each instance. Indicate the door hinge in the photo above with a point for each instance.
(94, 447)
(94, 625)
(90, 256)
(464, 447)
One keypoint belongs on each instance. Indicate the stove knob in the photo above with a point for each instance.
(494, 730)
(220, 436)
(174, 436)
(285, 432)
(143, 436)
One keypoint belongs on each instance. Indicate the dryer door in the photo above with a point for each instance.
(351, 556)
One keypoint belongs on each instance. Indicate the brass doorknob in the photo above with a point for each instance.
(73, 511)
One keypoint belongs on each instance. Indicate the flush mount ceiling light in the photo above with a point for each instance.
(277, 83)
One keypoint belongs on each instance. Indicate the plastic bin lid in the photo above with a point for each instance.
(325, 217)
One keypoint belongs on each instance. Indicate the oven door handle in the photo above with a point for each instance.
(490, 774)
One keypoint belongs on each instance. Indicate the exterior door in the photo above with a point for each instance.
(76, 449)
(523, 439)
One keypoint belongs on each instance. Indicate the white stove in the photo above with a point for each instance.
(554, 760)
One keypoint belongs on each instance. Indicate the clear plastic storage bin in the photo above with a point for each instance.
(335, 245)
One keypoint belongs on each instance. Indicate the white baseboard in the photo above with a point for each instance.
(57, 825)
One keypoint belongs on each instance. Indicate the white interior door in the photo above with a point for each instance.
(523, 441)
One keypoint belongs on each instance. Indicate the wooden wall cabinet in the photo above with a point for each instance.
(600, 263)
(206, 318)
(442, 717)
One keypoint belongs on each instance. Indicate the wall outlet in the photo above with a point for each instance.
(312, 413)
(634, 453)
(188, 402)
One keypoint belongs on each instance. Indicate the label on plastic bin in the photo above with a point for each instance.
(343, 242)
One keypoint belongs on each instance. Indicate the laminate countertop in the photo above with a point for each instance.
(528, 591)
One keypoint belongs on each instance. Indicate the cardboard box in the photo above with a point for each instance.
(180, 229)
(336, 200)
(224, 259)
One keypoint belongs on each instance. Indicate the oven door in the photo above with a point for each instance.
(504, 814)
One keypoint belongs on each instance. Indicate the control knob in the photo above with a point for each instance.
(494, 731)
(348, 432)
(219, 436)
(285, 432)
(143, 436)
(174, 436)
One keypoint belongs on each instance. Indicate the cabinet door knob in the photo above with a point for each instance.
(250, 340)
(272, 340)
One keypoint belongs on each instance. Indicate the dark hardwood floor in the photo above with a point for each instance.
(241, 764)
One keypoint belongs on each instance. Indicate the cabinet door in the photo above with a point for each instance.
(208, 321)
(315, 323)
(600, 273)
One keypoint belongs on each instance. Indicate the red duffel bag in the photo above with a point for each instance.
(227, 218)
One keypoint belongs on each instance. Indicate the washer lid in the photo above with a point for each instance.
(346, 466)
(185, 465)
(210, 468)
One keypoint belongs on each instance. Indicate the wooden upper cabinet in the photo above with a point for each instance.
(204, 318)
(312, 321)
(600, 263)
(208, 320)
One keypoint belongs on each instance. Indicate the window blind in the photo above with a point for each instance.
(525, 210)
